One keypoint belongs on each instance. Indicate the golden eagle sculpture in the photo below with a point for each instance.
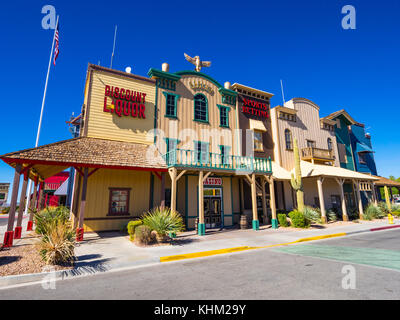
(197, 62)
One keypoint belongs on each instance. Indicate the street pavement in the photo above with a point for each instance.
(290, 272)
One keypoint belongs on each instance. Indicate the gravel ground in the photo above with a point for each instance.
(23, 259)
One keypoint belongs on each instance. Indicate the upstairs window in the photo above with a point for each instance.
(200, 108)
(311, 144)
(225, 154)
(170, 106)
(362, 157)
(258, 141)
(330, 144)
(288, 140)
(223, 116)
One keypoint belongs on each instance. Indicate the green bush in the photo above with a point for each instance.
(312, 215)
(298, 219)
(132, 226)
(396, 213)
(143, 234)
(373, 212)
(163, 220)
(384, 208)
(45, 219)
(395, 207)
(283, 220)
(353, 214)
(332, 216)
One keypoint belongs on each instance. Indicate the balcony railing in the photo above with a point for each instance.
(315, 153)
(208, 160)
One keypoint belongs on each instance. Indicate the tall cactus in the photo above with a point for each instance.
(297, 184)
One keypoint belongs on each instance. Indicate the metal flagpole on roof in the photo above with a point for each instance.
(41, 112)
(112, 55)
(283, 95)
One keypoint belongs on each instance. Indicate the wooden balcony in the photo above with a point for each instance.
(311, 154)
(199, 160)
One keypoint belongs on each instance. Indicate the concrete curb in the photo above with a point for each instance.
(26, 279)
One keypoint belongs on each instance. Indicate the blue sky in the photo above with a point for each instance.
(256, 43)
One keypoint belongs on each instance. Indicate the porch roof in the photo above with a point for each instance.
(386, 182)
(309, 170)
(50, 159)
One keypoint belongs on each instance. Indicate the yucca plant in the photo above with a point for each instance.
(163, 220)
(57, 245)
(312, 215)
(46, 217)
(373, 212)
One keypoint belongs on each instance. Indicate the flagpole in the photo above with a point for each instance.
(41, 112)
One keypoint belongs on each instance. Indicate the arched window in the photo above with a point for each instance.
(200, 108)
(288, 140)
(329, 144)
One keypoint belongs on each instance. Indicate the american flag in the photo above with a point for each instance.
(56, 50)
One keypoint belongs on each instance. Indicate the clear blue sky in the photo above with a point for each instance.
(256, 43)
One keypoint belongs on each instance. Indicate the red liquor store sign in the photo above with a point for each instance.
(255, 108)
(125, 102)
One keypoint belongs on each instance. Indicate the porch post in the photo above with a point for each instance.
(272, 204)
(79, 231)
(172, 174)
(374, 194)
(201, 226)
(40, 204)
(256, 223)
(391, 195)
(264, 202)
(343, 200)
(9, 235)
(29, 227)
(18, 228)
(360, 206)
(75, 198)
(320, 180)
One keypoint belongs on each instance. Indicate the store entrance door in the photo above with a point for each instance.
(213, 207)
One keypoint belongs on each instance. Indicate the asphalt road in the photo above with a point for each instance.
(291, 272)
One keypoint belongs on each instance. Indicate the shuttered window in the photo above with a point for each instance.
(342, 153)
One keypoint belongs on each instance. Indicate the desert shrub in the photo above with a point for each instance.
(395, 207)
(384, 208)
(353, 214)
(312, 215)
(132, 226)
(45, 219)
(282, 220)
(332, 215)
(143, 234)
(163, 220)
(57, 245)
(298, 219)
(373, 212)
(396, 213)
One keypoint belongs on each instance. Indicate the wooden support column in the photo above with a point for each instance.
(40, 204)
(9, 235)
(272, 204)
(172, 173)
(255, 222)
(320, 180)
(79, 231)
(18, 228)
(343, 200)
(374, 197)
(264, 201)
(32, 208)
(391, 195)
(75, 198)
(360, 206)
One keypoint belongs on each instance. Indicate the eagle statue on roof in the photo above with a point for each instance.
(197, 62)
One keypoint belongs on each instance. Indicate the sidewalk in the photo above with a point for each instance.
(111, 251)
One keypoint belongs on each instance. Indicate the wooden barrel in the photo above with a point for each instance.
(243, 222)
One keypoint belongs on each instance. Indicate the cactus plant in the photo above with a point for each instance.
(296, 182)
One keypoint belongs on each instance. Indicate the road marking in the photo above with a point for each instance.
(389, 259)
(238, 249)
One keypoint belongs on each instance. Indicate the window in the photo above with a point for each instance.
(362, 157)
(329, 144)
(119, 201)
(336, 201)
(172, 144)
(201, 152)
(200, 108)
(288, 140)
(258, 141)
(342, 153)
(225, 154)
(287, 116)
(223, 116)
(170, 107)
(311, 144)
(2, 196)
